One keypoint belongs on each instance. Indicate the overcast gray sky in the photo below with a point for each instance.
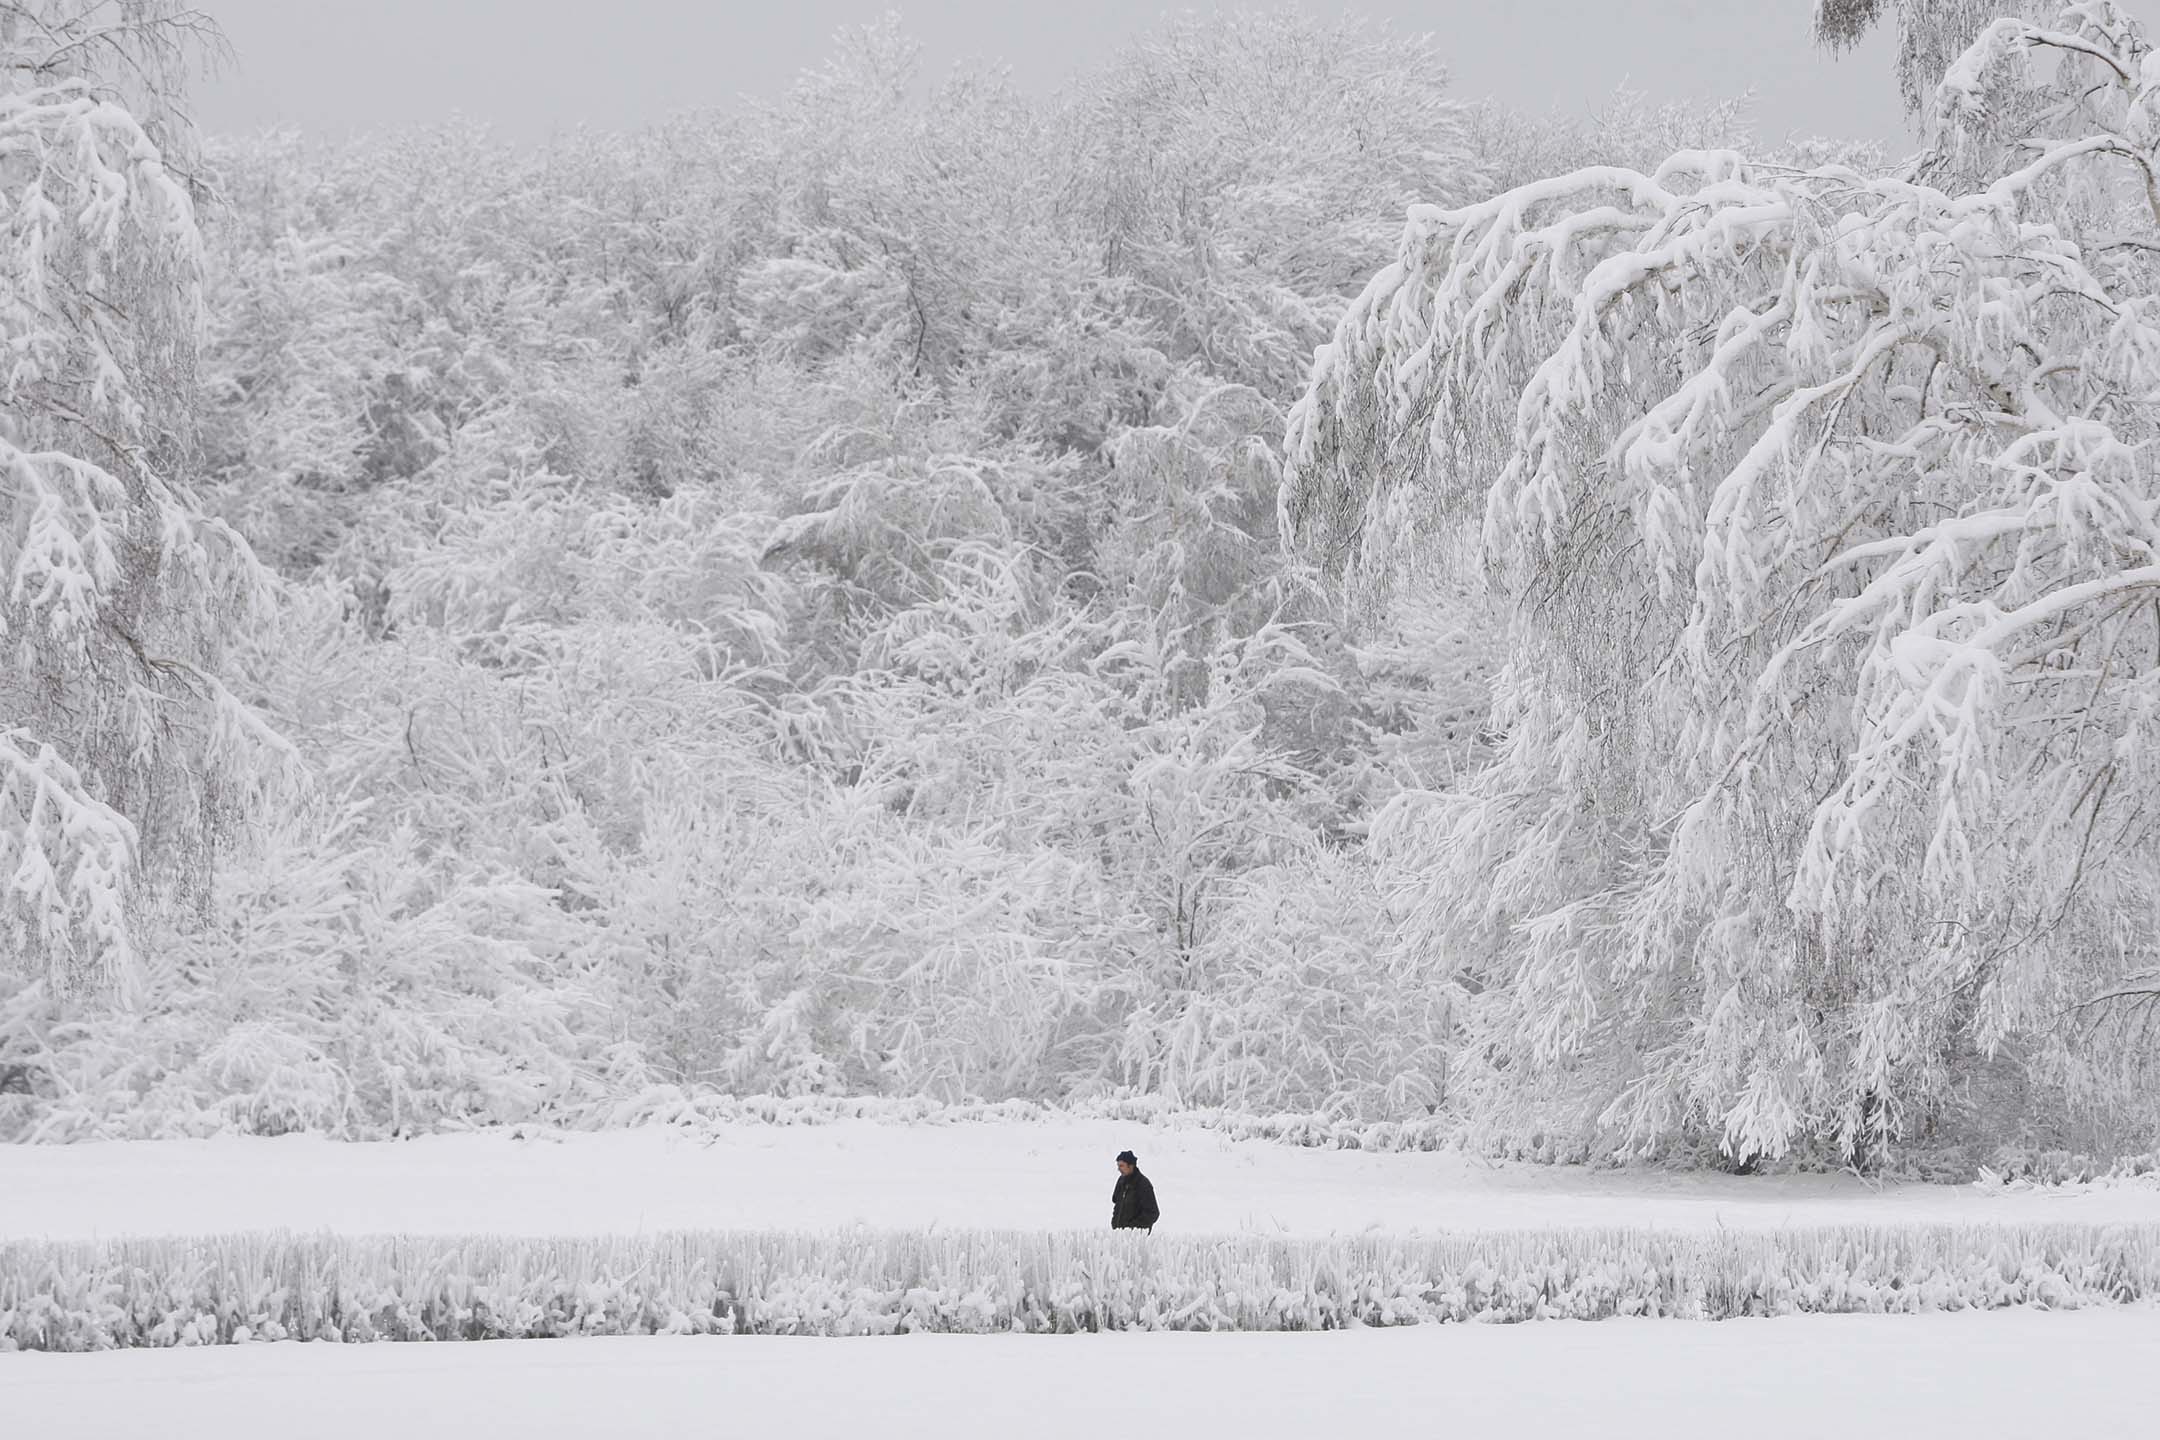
(528, 67)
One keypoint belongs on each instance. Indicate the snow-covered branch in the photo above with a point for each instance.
(1825, 501)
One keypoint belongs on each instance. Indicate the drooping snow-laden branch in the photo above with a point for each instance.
(76, 899)
(128, 764)
(1827, 504)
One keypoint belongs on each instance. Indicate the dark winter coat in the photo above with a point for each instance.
(1132, 1203)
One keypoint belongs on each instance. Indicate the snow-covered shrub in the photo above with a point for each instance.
(1290, 1012)
(2069, 1174)
(240, 1288)
(349, 989)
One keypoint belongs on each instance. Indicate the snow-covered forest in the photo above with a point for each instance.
(1250, 583)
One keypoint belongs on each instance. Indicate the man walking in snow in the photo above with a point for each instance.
(1132, 1199)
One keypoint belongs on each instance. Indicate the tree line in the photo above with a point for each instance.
(818, 597)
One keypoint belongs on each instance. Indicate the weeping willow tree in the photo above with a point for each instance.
(124, 763)
(1826, 506)
(1930, 34)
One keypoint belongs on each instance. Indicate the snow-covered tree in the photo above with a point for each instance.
(1930, 34)
(792, 599)
(1825, 504)
(125, 764)
(1246, 170)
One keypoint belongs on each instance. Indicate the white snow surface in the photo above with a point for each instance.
(2081, 1373)
(1032, 1175)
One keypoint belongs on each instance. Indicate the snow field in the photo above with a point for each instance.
(77, 1295)
(1049, 1174)
(1859, 1377)
(862, 1227)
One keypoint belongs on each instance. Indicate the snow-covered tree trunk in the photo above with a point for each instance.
(1827, 504)
(124, 763)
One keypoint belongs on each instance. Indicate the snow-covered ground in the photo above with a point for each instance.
(1020, 1175)
(2084, 1374)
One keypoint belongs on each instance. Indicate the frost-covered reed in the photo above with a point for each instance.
(87, 1295)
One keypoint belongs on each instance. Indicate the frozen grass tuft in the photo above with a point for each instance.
(225, 1289)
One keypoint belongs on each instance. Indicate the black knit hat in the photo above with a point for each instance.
(1126, 1157)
